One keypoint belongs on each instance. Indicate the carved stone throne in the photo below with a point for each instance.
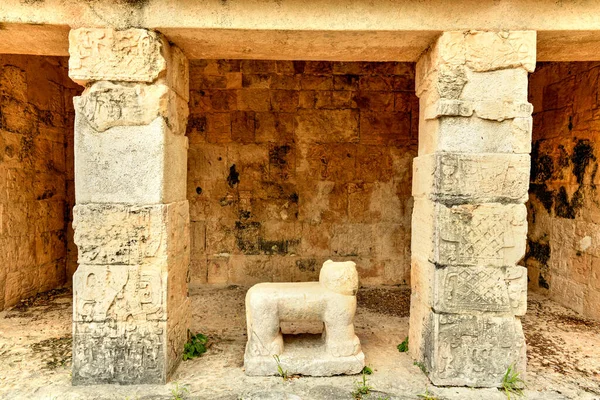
(331, 301)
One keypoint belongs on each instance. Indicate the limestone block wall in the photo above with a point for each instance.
(292, 163)
(563, 251)
(36, 175)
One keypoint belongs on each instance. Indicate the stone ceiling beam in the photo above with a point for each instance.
(379, 30)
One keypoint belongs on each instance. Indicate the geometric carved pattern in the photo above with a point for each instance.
(481, 290)
(477, 239)
(490, 234)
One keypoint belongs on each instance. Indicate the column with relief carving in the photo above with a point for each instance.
(130, 300)
(470, 183)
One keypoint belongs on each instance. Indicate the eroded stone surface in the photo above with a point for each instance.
(143, 164)
(116, 234)
(475, 135)
(331, 300)
(119, 352)
(119, 293)
(454, 178)
(480, 52)
(106, 105)
(132, 55)
(473, 350)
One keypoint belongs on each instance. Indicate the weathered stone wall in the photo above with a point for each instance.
(292, 163)
(563, 252)
(36, 175)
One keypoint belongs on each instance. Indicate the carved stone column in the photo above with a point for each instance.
(469, 222)
(130, 309)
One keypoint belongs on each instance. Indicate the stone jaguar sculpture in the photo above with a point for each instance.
(332, 300)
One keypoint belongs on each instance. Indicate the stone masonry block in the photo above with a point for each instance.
(326, 126)
(130, 352)
(118, 234)
(132, 55)
(507, 84)
(106, 105)
(120, 293)
(478, 51)
(456, 178)
(474, 135)
(178, 323)
(473, 88)
(489, 51)
(469, 350)
(129, 164)
(471, 290)
(489, 234)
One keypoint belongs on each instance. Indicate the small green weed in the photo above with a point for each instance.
(512, 382)
(421, 366)
(361, 387)
(178, 392)
(403, 347)
(195, 347)
(280, 371)
(427, 395)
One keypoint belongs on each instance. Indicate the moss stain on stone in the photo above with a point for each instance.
(542, 282)
(539, 251)
(234, 177)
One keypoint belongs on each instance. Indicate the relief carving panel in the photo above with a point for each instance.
(115, 234)
(119, 352)
(474, 350)
(106, 105)
(481, 289)
(132, 55)
(119, 293)
(454, 178)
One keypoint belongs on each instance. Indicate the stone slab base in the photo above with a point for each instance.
(304, 355)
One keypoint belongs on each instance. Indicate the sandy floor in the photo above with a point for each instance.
(35, 340)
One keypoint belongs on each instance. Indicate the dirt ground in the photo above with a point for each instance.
(35, 351)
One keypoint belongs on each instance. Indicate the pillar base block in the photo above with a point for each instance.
(304, 355)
